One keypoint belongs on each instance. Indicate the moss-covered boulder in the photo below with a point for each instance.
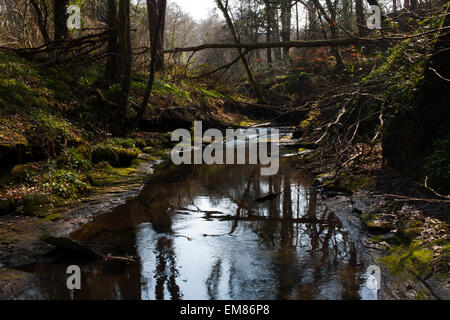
(376, 223)
(115, 156)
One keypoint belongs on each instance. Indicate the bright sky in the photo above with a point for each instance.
(198, 9)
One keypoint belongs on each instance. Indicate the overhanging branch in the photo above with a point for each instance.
(267, 45)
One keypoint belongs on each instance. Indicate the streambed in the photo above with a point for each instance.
(198, 233)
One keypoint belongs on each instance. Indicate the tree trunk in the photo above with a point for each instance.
(268, 30)
(234, 34)
(60, 19)
(159, 63)
(111, 72)
(156, 30)
(286, 21)
(125, 53)
(156, 11)
(273, 25)
(312, 20)
(331, 20)
(297, 24)
(40, 21)
(360, 23)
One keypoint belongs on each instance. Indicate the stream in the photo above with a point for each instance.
(199, 234)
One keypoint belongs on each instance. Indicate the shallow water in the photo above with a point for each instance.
(199, 234)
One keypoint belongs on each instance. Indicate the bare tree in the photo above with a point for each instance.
(254, 85)
(155, 11)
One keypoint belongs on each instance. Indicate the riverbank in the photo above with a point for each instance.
(394, 222)
(23, 237)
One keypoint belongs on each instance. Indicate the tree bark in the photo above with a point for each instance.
(60, 19)
(360, 23)
(111, 72)
(124, 31)
(40, 21)
(286, 21)
(153, 10)
(268, 31)
(156, 11)
(275, 30)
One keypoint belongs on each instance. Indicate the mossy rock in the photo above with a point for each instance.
(126, 156)
(411, 233)
(353, 184)
(412, 258)
(156, 153)
(140, 143)
(376, 224)
(116, 157)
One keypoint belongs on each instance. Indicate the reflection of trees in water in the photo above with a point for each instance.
(328, 243)
(166, 270)
(304, 254)
(212, 283)
(321, 247)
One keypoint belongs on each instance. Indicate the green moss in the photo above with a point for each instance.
(53, 217)
(375, 223)
(313, 116)
(75, 158)
(140, 143)
(35, 204)
(117, 152)
(353, 184)
(109, 176)
(156, 153)
(377, 239)
(5, 238)
(411, 233)
(446, 249)
(412, 258)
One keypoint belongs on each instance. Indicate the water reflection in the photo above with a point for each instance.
(225, 246)
(200, 235)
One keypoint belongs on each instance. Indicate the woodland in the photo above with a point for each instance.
(82, 108)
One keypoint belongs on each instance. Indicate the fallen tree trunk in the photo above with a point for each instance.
(271, 45)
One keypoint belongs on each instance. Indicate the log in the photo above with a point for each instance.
(274, 44)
